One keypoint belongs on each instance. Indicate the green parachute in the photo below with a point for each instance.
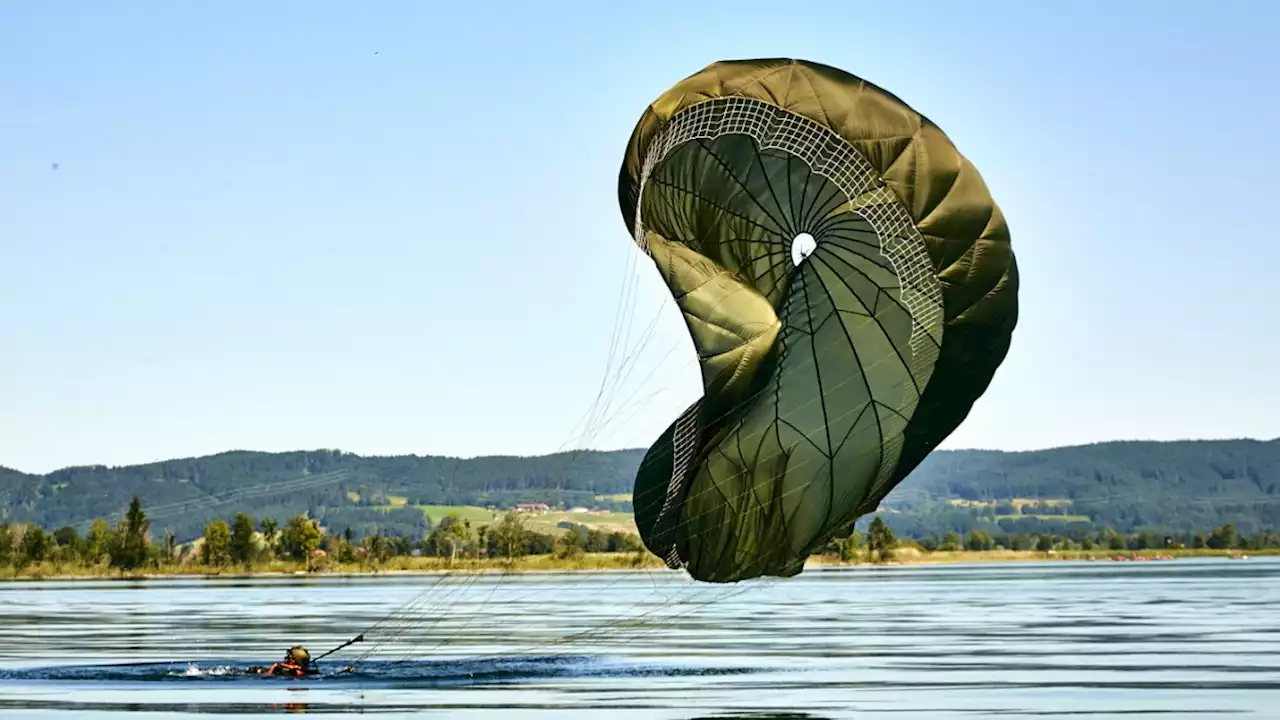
(849, 286)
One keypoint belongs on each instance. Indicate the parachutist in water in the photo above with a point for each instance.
(296, 663)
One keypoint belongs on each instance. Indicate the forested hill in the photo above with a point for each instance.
(1186, 486)
(337, 487)
(1190, 485)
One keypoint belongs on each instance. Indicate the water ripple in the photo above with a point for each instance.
(1175, 639)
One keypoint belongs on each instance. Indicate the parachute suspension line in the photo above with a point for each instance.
(596, 631)
(398, 622)
(453, 636)
(404, 618)
(588, 426)
(668, 602)
(685, 453)
(395, 623)
(621, 310)
(413, 615)
(498, 581)
(622, 359)
(645, 623)
(630, 360)
(394, 618)
(611, 413)
(428, 617)
(620, 364)
(606, 628)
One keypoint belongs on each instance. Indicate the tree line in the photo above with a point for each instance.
(247, 543)
(879, 542)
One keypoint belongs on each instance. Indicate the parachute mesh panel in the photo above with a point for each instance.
(831, 156)
(685, 446)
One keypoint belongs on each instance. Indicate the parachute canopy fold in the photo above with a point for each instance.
(850, 289)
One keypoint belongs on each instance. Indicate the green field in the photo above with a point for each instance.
(605, 521)
(616, 497)
(1025, 508)
(1019, 504)
(477, 515)
(545, 522)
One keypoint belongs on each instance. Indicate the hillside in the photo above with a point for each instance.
(342, 489)
(1184, 486)
(1181, 486)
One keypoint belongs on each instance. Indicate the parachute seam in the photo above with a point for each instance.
(727, 211)
(866, 383)
(787, 227)
(782, 226)
(896, 350)
(742, 364)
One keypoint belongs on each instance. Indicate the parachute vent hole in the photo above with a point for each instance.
(802, 246)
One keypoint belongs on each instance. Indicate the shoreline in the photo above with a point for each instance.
(599, 563)
(913, 556)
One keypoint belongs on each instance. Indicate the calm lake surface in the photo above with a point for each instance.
(1185, 638)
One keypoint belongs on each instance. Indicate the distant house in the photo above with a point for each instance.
(532, 507)
(578, 510)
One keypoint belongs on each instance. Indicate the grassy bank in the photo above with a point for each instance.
(588, 562)
(585, 562)
(914, 556)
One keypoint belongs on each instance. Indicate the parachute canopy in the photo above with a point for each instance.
(849, 286)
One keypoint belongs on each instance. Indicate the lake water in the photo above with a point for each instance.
(1187, 638)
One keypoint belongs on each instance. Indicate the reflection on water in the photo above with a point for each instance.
(1102, 640)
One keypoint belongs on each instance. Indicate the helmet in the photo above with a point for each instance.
(299, 655)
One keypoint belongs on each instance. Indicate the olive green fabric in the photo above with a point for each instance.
(825, 382)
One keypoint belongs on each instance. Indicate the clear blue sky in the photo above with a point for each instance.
(392, 227)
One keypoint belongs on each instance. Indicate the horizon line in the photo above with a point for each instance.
(603, 450)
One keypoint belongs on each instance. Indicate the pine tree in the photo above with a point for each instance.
(880, 540)
(131, 539)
